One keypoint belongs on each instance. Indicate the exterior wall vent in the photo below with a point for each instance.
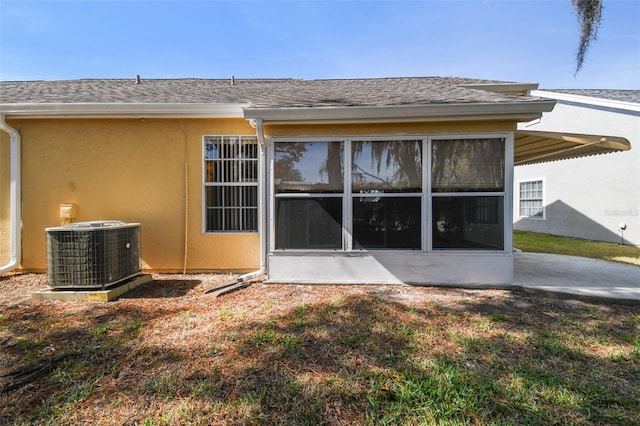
(92, 254)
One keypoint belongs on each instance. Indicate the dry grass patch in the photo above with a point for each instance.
(625, 259)
(167, 353)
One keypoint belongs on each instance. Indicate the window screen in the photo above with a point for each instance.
(231, 183)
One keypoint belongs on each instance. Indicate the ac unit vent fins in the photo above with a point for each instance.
(92, 254)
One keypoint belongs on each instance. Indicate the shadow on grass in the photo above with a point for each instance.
(365, 359)
(162, 289)
(384, 363)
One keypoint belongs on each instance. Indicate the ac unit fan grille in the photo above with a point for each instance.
(92, 256)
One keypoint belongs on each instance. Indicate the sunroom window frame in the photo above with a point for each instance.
(425, 194)
(272, 142)
(506, 193)
(422, 139)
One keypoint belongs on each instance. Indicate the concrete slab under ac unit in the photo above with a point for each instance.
(94, 295)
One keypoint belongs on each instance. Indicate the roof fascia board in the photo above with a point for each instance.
(587, 100)
(121, 110)
(434, 112)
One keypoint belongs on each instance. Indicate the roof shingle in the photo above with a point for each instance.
(256, 92)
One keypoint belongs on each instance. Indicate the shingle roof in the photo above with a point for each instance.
(609, 94)
(256, 92)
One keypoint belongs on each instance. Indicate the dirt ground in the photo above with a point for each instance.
(169, 352)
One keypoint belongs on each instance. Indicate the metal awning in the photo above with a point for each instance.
(538, 147)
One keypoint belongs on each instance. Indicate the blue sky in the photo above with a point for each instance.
(516, 40)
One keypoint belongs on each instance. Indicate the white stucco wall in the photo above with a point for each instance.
(588, 197)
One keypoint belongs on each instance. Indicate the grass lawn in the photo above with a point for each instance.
(544, 243)
(167, 353)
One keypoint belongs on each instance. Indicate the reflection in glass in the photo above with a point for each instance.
(230, 181)
(386, 223)
(309, 223)
(231, 159)
(232, 208)
(467, 165)
(468, 223)
(386, 166)
(308, 167)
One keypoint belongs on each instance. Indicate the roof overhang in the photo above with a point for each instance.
(519, 111)
(121, 110)
(537, 146)
(587, 100)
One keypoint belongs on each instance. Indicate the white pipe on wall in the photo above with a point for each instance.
(262, 201)
(14, 197)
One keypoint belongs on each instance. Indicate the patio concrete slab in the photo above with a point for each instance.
(577, 276)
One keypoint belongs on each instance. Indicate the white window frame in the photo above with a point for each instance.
(251, 139)
(420, 195)
(541, 199)
(426, 194)
(506, 193)
(346, 220)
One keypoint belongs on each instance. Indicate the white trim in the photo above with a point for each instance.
(270, 187)
(205, 184)
(122, 110)
(508, 189)
(588, 100)
(308, 195)
(203, 200)
(273, 140)
(426, 199)
(262, 208)
(426, 194)
(347, 207)
(522, 110)
(476, 135)
(508, 88)
(467, 194)
(15, 197)
(544, 189)
(387, 194)
(508, 150)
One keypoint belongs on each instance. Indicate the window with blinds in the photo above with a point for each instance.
(531, 200)
(230, 170)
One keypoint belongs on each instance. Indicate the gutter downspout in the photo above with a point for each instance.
(262, 201)
(14, 197)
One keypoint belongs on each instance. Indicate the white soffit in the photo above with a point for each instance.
(536, 146)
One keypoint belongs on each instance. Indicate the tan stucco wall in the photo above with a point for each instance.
(131, 170)
(390, 129)
(4, 199)
(134, 170)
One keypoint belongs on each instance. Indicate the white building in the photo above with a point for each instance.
(592, 195)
